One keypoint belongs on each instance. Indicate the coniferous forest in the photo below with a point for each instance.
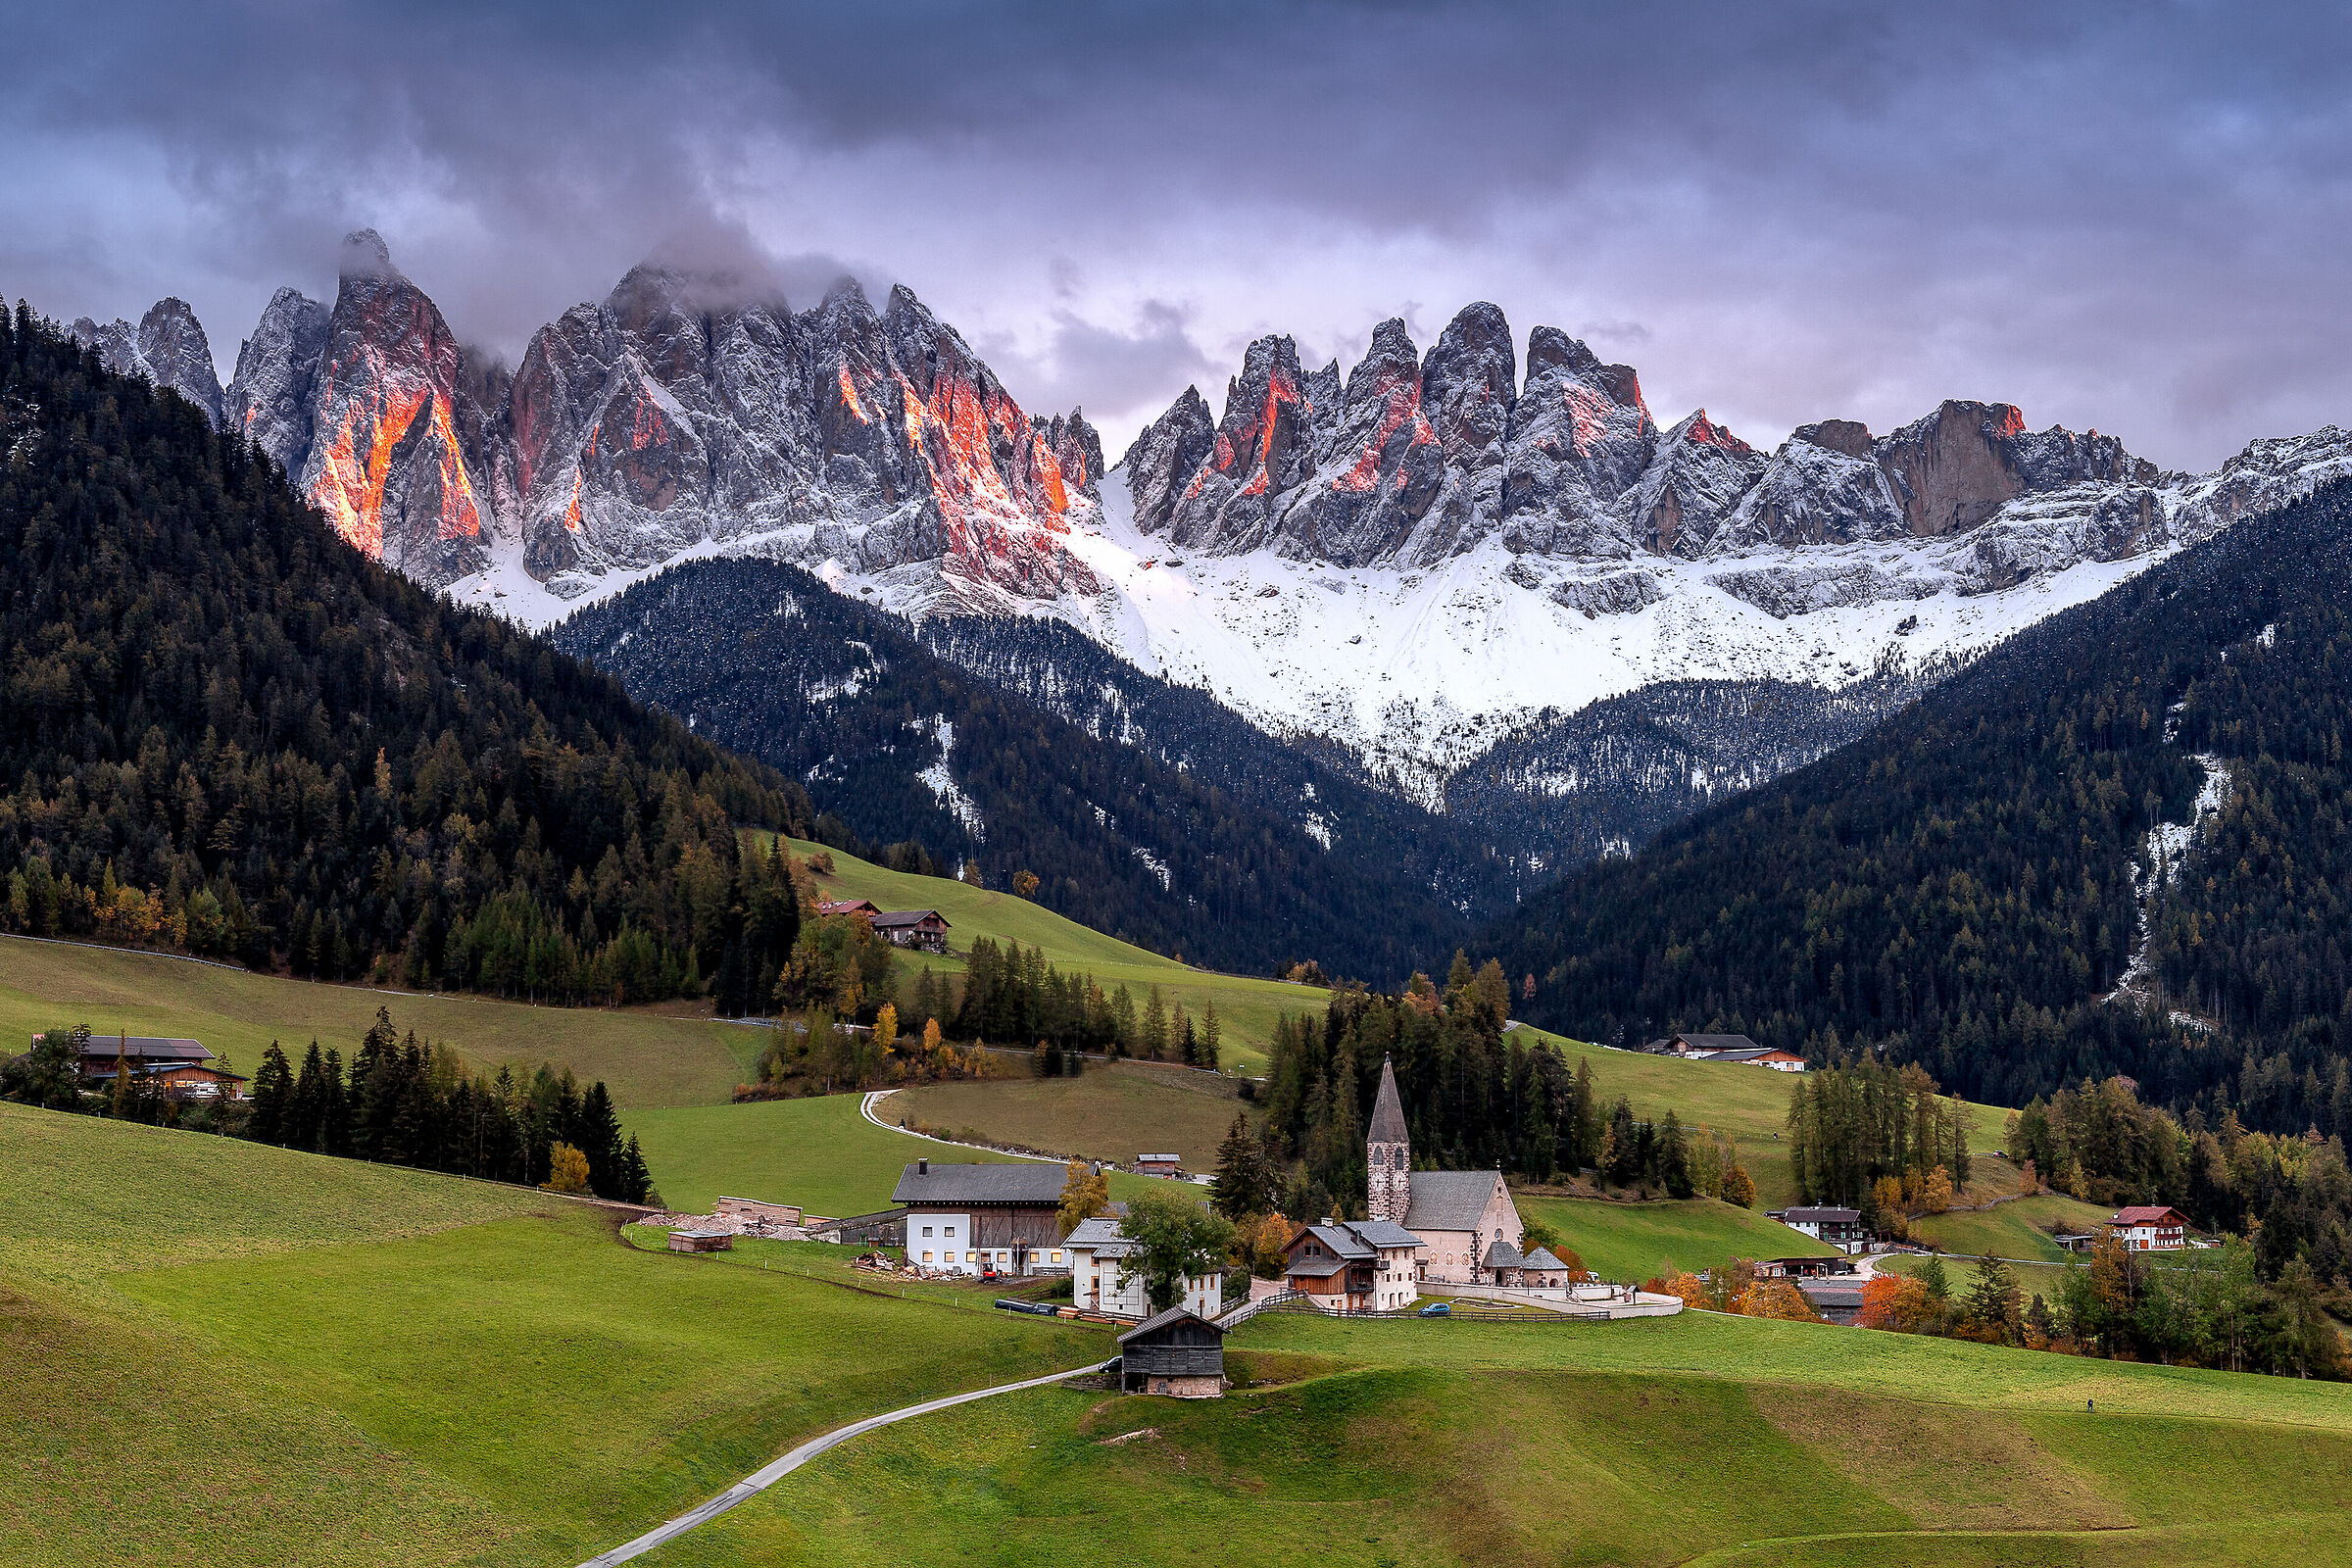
(1965, 887)
(225, 731)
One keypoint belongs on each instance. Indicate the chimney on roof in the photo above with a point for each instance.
(922, 1167)
(1328, 1220)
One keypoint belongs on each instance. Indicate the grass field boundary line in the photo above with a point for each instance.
(144, 952)
(768, 1475)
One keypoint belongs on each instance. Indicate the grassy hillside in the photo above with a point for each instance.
(1693, 1438)
(277, 1358)
(819, 1153)
(394, 1368)
(2017, 1229)
(1111, 1112)
(1247, 1006)
(1635, 1240)
(646, 1057)
(1746, 1102)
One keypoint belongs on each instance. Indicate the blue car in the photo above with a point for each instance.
(1438, 1309)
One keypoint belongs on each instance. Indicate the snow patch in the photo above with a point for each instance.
(950, 793)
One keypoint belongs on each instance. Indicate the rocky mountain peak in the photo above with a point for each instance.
(1846, 437)
(168, 348)
(365, 255)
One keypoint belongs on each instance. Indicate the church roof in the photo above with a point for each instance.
(1541, 1259)
(1503, 1254)
(1388, 1110)
(1448, 1199)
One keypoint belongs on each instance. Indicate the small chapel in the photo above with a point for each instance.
(1468, 1226)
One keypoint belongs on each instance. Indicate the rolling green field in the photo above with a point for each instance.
(1111, 1112)
(1658, 1441)
(2016, 1229)
(236, 1355)
(1630, 1242)
(1748, 1103)
(645, 1056)
(1247, 1006)
(221, 1354)
(817, 1152)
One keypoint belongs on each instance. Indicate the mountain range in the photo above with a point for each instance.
(1496, 589)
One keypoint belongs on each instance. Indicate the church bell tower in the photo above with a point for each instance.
(1388, 1153)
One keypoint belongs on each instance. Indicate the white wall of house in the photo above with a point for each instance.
(942, 1240)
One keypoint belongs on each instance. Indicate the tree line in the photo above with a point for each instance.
(400, 1100)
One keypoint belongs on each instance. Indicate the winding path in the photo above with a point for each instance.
(760, 1480)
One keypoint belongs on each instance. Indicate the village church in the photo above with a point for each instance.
(1451, 1227)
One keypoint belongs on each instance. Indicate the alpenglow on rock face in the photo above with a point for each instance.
(685, 411)
(1414, 460)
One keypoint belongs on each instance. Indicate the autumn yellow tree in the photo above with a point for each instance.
(2028, 1180)
(1775, 1298)
(886, 1032)
(1024, 884)
(1935, 1193)
(1085, 1194)
(566, 1170)
(1895, 1303)
(1738, 1188)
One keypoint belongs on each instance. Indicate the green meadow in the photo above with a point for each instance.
(233, 1356)
(1630, 1242)
(646, 1056)
(1247, 1006)
(817, 1153)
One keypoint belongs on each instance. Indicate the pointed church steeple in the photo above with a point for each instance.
(1389, 1152)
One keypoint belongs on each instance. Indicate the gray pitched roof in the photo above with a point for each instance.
(1160, 1320)
(1385, 1233)
(1541, 1257)
(1388, 1110)
(1448, 1200)
(1819, 1216)
(1314, 1268)
(1718, 1042)
(891, 919)
(1503, 1254)
(1342, 1240)
(1024, 1184)
(1102, 1235)
(144, 1047)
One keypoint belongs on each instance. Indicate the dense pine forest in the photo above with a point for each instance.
(959, 773)
(227, 732)
(1965, 887)
(1475, 1096)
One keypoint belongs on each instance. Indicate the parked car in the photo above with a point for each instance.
(1438, 1309)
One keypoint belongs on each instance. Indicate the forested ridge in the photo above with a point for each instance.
(945, 766)
(226, 732)
(1964, 887)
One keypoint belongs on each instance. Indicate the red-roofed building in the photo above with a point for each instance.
(845, 907)
(2151, 1230)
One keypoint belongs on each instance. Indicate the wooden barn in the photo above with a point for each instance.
(926, 930)
(1174, 1352)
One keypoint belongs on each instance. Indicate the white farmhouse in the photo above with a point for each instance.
(1101, 1281)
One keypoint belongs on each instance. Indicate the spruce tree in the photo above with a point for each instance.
(272, 1097)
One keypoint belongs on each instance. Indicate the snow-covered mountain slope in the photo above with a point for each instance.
(1410, 563)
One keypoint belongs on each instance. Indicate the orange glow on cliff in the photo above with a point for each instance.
(848, 393)
(571, 514)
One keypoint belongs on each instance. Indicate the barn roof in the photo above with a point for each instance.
(2145, 1216)
(894, 920)
(1718, 1042)
(1448, 1199)
(1159, 1321)
(1024, 1184)
(142, 1048)
(1818, 1216)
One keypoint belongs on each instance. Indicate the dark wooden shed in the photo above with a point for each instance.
(1173, 1353)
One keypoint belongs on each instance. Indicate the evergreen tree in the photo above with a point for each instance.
(273, 1096)
(1245, 1180)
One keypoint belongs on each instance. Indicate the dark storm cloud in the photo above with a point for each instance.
(2129, 216)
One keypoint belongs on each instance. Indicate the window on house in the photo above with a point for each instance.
(1057, 1257)
(926, 1257)
(926, 1230)
(971, 1257)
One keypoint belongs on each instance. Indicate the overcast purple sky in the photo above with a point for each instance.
(2133, 217)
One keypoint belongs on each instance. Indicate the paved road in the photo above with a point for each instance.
(875, 1096)
(760, 1480)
